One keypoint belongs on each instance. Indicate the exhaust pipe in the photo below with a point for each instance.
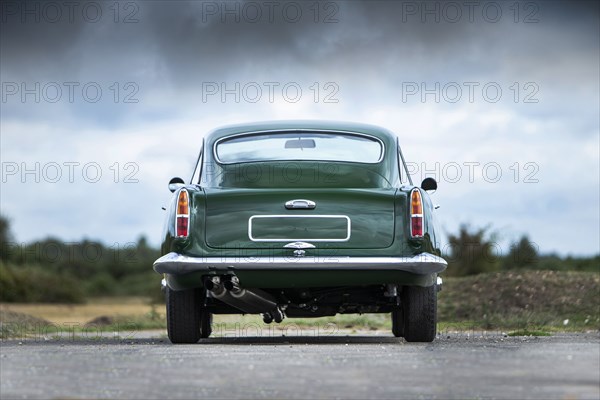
(262, 300)
(250, 301)
(216, 288)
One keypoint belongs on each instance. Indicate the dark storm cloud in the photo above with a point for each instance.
(190, 36)
(374, 45)
(161, 53)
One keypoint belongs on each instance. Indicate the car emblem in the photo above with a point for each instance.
(299, 248)
(299, 253)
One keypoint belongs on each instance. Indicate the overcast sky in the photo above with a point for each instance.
(498, 100)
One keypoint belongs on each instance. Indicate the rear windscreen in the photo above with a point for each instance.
(299, 146)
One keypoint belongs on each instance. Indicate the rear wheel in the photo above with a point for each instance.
(419, 306)
(184, 315)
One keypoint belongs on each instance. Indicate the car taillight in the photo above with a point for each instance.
(182, 217)
(416, 214)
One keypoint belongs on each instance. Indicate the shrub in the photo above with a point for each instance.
(472, 252)
(33, 284)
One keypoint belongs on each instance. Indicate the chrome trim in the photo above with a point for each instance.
(348, 228)
(177, 264)
(403, 162)
(300, 204)
(299, 245)
(288, 130)
(198, 166)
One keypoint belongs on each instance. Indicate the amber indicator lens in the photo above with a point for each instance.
(416, 207)
(182, 204)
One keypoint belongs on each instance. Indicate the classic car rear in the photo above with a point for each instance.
(300, 219)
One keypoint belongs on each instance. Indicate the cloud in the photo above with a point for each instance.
(379, 62)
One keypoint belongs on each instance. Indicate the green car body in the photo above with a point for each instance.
(313, 237)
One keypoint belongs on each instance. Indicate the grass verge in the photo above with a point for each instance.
(534, 303)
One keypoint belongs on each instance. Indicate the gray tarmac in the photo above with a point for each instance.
(356, 366)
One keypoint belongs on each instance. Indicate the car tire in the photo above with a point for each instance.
(397, 322)
(419, 306)
(183, 315)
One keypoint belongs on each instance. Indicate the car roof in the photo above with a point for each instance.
(301, 125)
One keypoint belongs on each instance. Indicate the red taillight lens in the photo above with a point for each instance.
(182, 217)
(416, 214)
(182, 226)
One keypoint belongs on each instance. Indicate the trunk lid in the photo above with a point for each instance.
(259, 218)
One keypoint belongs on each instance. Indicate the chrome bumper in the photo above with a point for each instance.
(178, 264)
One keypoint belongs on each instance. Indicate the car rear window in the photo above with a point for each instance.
(299, 146)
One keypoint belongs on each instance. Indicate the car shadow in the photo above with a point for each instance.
(316, 340)
(340, 340)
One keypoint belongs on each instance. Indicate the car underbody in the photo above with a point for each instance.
(311, 302)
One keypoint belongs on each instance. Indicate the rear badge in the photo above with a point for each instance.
(299, 248)
(299, 253)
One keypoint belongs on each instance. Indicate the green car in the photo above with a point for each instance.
(300, 219)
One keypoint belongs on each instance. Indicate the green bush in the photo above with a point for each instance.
(101, 284)
(472, 252)
(34, 284)
(144, 284)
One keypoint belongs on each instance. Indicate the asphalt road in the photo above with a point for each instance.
(565, 366)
